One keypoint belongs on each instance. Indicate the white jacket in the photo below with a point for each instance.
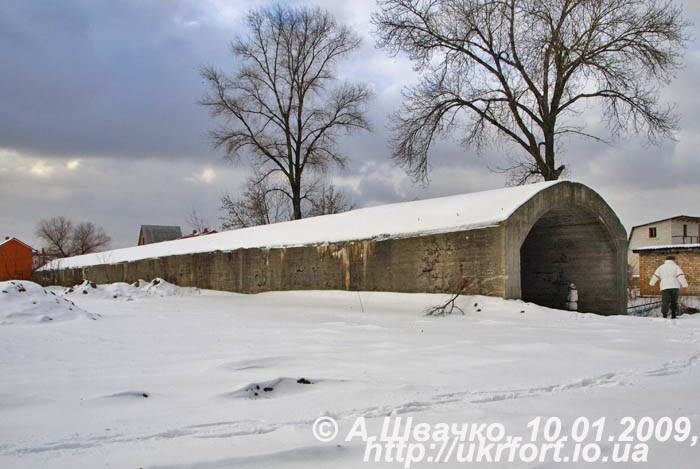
(671, 276)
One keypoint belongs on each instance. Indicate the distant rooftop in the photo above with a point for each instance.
(677, 217)
(158, 233)
(10, 238)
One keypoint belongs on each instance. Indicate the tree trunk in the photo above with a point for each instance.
(550, 173)
(296, 200)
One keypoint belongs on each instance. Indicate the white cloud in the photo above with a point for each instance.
(73, 164)
(207, 176)
(42, 169)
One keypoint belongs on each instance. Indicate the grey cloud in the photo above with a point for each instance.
(117, 194)
(106, 78)
(115, 84)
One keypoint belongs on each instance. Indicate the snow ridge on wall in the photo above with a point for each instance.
(405, 219)
(668, 246)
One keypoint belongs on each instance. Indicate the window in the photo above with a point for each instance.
(685, 231)
(652, 232)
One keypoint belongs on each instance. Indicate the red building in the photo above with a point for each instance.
(15, 260)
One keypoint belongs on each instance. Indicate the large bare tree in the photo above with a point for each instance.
(283, 105)
(63, 238)
(526, 70)
(87, 238)
(57, 234)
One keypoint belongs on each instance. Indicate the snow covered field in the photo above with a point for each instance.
(160, 377)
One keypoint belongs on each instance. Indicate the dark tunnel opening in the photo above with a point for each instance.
(567, 246)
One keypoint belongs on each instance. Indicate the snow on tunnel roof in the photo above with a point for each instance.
(400, 220)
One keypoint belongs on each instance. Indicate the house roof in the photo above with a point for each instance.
(15, 239)
(677, 217)
(417, 218)
(160, 233)
(195, 233)
(668, 247)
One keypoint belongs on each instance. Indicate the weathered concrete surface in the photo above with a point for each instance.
(568, 246)
(566, 233)
(435, 263)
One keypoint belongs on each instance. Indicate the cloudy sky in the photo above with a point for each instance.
(99, 122)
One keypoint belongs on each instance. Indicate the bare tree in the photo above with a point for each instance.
(57, 233)
(282, 106)
(260, 204)
(328, 200)
(87, 238)
(64, 239)
(526, 69)
(196, 221)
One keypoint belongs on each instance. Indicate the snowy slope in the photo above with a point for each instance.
(23, 302)
(171, 382)
(445, 214)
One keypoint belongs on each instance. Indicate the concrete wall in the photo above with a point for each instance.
(687, 259)
(435, 263)
(597, 255)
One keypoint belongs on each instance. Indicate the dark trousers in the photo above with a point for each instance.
(669, 297)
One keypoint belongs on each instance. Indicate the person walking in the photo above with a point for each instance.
(672, 280)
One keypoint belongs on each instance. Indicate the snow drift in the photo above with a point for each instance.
(127, 291)
(23, 302)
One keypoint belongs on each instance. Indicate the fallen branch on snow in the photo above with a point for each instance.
(451, 305)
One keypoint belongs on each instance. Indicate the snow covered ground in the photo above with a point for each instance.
(190, 379)
(29, 303)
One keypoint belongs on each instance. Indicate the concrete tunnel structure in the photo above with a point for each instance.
(528, 242)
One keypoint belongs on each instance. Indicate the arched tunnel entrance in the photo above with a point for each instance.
(569, 245)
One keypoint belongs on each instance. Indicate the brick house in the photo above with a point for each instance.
(687, 257)
(678, 230)
(16, 260)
